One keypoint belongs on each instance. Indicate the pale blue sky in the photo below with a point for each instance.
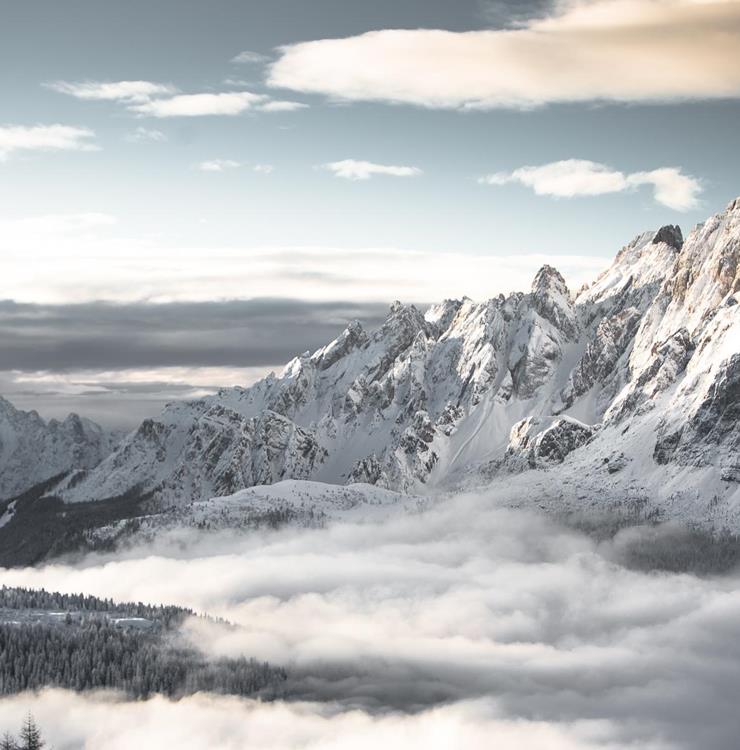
(153, 187)
(140, 198)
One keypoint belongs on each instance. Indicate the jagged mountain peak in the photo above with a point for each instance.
(552, 300)
(351, 338)
(403, 310)
(441, 315)
(549, 278)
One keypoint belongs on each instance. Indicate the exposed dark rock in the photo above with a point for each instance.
(543, 442)
(671, 235)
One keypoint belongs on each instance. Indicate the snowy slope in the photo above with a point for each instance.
(631, 386)
(290, 502)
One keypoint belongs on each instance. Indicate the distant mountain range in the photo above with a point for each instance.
(33, 450)
(626, 389)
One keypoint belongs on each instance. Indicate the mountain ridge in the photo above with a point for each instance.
(33, 450)
(458, 394)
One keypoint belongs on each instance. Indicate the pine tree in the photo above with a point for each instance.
(8, 742)
(30, 735)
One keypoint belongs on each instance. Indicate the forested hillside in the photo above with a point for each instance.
(83, 643)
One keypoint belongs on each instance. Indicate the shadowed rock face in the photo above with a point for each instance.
(669, 361)
(599, 363)
(714, 424)
(427, 400)
(671, 235)
(542, 442)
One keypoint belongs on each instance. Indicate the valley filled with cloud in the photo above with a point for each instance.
(421, 628)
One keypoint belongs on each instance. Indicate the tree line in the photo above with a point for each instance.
(90, 649)
(168, 616)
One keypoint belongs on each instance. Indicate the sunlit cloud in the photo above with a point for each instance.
(613, 50)
(579, 177)
(199, 105)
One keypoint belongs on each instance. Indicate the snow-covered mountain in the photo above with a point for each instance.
(631, 388)
(33, 450)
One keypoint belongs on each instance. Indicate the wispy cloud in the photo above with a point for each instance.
(222, 165)
(218, 165)
(45, 138)
(127, 91)
(237, 82)
(249, 57)
(618, 50)
(146, 98)
(580, 177)
(279, 105)
(146, 135)
(199, 105)
(354, 169)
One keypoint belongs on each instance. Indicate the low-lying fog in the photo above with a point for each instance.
(466, 626)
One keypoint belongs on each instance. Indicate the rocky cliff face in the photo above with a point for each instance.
(33, 450)
(639, 367)
(540, 442)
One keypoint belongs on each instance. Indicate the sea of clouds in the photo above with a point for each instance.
(467, 626)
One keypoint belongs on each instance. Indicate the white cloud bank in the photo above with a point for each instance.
(354, 169)
(42, 264)
(577, 177)
(107, 722)
(426, 630)
(586, 50)
(44, 138)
